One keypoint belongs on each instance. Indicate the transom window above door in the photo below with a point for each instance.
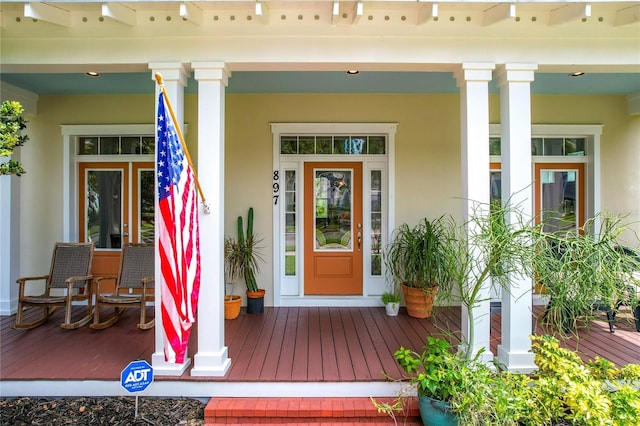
(327, 144)
(116, 145)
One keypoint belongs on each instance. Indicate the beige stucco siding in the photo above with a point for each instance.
(427, 181)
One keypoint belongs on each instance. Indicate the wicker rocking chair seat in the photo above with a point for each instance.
(118, 299)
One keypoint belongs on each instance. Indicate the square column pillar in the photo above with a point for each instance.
(212, 356)
(473, 81)
(514, 81)
(174, 76)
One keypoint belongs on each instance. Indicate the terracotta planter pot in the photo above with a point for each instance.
(255, 301)
(232, 306)
(419, 301)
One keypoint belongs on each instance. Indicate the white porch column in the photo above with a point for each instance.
(174, 76)
(212, 356)
(515, 115)
(473, 80)
(8, 256)
(10, 212)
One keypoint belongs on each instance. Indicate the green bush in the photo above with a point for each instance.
(564, 391)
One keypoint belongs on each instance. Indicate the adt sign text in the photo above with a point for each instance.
(137, 376)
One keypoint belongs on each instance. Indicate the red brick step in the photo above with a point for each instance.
(305, 411)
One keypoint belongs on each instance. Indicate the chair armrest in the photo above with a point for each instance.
(99, 280)
(25, 279)
(71, 281)
(148, 280)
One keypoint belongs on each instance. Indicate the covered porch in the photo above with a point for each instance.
(285, 352)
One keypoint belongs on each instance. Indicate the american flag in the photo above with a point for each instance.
(179, 243)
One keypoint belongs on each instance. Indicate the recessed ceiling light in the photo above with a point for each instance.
(93, 74)
(353, 72)
(576, 74)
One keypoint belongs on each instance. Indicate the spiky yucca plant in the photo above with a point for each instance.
(242, 256)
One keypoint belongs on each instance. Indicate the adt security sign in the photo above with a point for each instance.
(137, 376)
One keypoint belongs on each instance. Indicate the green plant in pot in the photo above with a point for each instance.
(242, 257)
(415, 259)
(391, 302)
(440, 374)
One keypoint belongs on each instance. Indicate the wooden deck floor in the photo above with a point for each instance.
(282, 345)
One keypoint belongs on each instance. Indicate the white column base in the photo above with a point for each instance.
(516, 362)
(211, 364)
(163, 368)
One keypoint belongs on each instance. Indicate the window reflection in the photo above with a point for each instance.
(332, 201)
(104, 208)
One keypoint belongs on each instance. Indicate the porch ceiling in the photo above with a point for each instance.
(318, 82)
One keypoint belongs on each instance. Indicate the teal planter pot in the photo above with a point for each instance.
(436, 413)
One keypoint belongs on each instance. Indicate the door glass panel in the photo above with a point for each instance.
(146, 203)
(559, 207)
(290, 223)
(495, 181)
(104, 208)
(333, 206)
(376, 222)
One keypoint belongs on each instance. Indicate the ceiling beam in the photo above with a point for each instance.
(47, 13)
(500, 12)
(335, 12)
(569, 13)
(627, 15)
(262, 12)
(119, 13)
(427, 12)
(191, 13)
(357, 12)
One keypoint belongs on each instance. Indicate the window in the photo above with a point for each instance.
(547, 146)
(116, 145)
(340, 145)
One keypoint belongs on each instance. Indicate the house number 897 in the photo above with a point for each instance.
(276, 187)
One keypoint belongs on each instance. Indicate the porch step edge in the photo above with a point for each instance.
(248, 410)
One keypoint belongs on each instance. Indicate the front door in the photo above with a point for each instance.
(333, 232)
(116, 205)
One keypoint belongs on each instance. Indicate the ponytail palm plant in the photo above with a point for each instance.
(242, 256)
(416, 256)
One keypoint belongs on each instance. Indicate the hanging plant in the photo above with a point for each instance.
(11, 125)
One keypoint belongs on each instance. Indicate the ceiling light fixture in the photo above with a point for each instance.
(92, 74)
(576, 74)
(353, 72)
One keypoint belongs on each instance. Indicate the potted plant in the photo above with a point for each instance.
(415, 258)
(391, 302)
(232, 302)
(241, 261)
(439, 375)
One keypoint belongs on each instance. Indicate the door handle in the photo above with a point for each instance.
(359, 240)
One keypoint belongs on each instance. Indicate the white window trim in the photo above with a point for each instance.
(70, 164)
(592, 132)
(296, 162)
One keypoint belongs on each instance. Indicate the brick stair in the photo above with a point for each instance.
(304, 411)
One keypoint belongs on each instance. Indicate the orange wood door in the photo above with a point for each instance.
(333, 228)
(559, 196)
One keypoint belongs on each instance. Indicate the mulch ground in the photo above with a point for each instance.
(112, 411)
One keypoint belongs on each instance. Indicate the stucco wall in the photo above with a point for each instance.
(427, 152)
(620, 147)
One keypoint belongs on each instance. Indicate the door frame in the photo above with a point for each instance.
(289, 290)
(71, 160)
